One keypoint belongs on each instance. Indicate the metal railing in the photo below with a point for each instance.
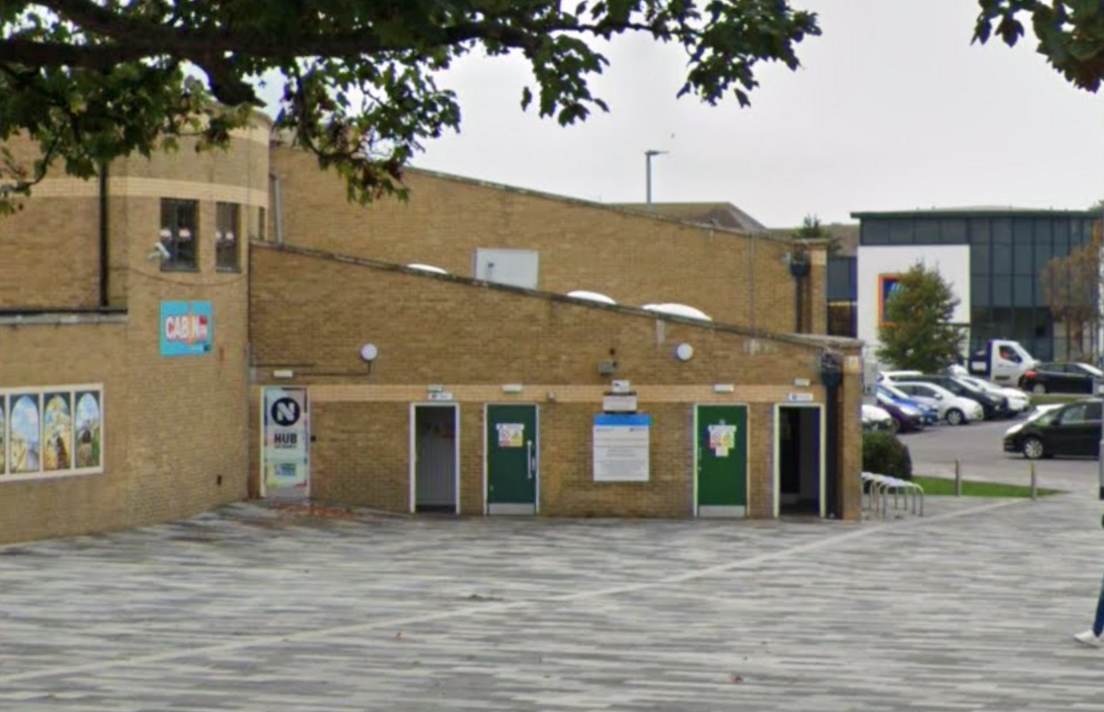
(881, 487)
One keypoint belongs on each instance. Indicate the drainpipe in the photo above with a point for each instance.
(831, 375)
(103, 235)
(277, 217)
(799, 269)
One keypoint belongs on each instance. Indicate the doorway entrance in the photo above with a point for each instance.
(513, 459)
(799, 460)
(720, 458)
(435, 446)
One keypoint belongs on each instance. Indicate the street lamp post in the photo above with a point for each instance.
(648, 171)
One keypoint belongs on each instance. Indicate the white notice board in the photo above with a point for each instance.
(621, 444)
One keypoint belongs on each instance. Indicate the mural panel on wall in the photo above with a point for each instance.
(3, 435)
(50, 431)
(88, 430)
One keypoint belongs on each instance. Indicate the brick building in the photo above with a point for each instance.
(104, 425)
(140, 336)
(558, 244)
(449, 351)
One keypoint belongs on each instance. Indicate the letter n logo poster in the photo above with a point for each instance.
(285, 443)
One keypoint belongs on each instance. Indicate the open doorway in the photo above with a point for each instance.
(435, 481)
(799, 460)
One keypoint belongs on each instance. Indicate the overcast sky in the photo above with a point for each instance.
(893, 109)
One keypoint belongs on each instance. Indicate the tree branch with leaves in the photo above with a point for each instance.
(1069, 33)
(1070, 287)
(100, 79)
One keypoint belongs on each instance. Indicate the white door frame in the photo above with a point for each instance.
(776, 465)
(486, 460)
(414, 450)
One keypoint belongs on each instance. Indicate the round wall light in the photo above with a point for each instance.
(368, 352)
(684, 352)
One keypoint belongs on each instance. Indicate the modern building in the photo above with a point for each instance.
(993, 258)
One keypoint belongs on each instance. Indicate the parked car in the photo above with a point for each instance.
(1018, 401)
(993, 405)
(1071, 429)
(929, 413)
(907, 418)
(884, 376)
(956, 410)
(1060, 377)
(875, 418)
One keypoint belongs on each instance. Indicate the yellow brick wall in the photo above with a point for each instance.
(633, 257)
(176, 429)
(49, 252)
(311, 315)
(49, 354)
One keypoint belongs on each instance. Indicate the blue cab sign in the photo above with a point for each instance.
(187, 328)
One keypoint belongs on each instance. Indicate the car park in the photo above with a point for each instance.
(993, 405)
(907, 418)
(1072, 429)
(1018, 401)
(1060, 377)
(875, 418)
(954, 409)
(928, 411)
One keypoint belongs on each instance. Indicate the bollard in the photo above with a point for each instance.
(958, 479)
(1034, 483)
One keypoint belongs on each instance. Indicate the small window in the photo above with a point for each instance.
(1076, 414)
(261, 224)
(228, 237)
(178, 234)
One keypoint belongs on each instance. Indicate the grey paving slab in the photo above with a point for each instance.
(969, 608)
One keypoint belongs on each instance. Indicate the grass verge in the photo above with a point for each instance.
(1057, 398)
(944, 486)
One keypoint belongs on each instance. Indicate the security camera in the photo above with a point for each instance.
(158, 252)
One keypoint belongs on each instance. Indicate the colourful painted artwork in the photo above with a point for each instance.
(87, 428)
(3, 435)
(25, 434)
(57, 430)
(888, 285)
(511, 434)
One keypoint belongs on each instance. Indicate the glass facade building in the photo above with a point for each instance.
(1008, 251)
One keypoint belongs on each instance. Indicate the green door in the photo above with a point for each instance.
(721, 460)
(512, 459)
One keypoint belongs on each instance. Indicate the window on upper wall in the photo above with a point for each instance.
(178, 234)
(228, 237)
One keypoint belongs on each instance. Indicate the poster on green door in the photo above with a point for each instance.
(511, 434)
(722, 438)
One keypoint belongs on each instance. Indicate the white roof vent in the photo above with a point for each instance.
(426, 268)
(591, 296)
(678, 310)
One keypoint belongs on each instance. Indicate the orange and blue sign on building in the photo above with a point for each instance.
(187, 328)
(888, 284)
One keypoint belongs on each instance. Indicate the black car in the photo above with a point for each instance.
(1073, 429)
(993, 405)
(1060, 377)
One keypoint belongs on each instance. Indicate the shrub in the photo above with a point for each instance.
(885, 454)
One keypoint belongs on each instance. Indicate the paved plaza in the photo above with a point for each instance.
(250, 608)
